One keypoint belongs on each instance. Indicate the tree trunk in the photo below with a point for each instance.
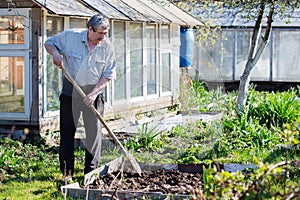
(254, 55)
(243, 87)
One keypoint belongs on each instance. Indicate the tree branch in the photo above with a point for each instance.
(269, 22)
(257, 30)
(265, 39)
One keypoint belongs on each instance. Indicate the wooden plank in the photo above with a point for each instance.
(51, 124)
(17, 4)
(138, 107)
(36, 66)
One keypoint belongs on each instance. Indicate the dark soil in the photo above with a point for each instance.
(161, 180)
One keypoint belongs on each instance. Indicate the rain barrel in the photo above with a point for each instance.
(187, 40)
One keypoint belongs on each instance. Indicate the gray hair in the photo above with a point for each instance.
(98, 20)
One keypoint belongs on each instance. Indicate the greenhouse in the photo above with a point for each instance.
(224, 62)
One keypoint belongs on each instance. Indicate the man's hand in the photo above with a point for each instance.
(90, 99)
(58, 61)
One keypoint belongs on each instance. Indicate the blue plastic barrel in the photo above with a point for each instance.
(187, 40)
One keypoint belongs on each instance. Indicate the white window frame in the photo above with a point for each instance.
(166, 93)
(20, 50)
(46, 113)
(27, 87)
(16, 12)
(166, 49)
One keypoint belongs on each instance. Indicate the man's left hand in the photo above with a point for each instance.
(89, 99)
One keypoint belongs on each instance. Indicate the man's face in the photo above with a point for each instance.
(99, 35)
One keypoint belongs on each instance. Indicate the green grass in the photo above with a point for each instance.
(30, 189)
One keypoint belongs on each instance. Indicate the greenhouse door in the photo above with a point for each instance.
(14, 64)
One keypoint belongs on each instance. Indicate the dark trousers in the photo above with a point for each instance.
(70, 110)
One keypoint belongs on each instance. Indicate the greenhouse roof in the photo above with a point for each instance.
(237, 18)
(131, 10)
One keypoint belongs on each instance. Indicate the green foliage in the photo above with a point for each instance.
(190, 155)
(264, 182)
(178, 131)
(209, 100)
(273, 109)
(220, 149)
(259, 128)
(200, 137)
(9, 156)
(29, 171)
(261, 124)
(244, 132)
(15, 158)
(146, 139)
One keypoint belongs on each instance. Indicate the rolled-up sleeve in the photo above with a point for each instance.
(58, 41)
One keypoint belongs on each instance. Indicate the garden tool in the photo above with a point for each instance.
(134, 163)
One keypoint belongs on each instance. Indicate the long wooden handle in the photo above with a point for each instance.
(82, 94)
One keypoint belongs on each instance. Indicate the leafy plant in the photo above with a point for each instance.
(190, 155)
(145, 139)
(206, 100)
(245, 132)
(273, 109)
(261, 183)
(9, 157)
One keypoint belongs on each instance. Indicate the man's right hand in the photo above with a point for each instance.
(57, 60)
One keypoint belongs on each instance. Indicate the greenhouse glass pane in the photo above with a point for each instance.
(210, 60)
(166, 72)
(77, 23)
(243, 38)
(261, 71)
(165, 34)
(119, 46)
(151, 59)
(12, 84)
(12, 29)
(227, 52)
(54, 76)
(136, 60)
(286, 59)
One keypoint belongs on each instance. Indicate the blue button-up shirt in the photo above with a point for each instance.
(83, 66)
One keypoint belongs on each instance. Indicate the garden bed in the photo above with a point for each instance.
(158, 184)
(155, 182)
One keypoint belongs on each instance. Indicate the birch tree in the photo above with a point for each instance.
(256, 49)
